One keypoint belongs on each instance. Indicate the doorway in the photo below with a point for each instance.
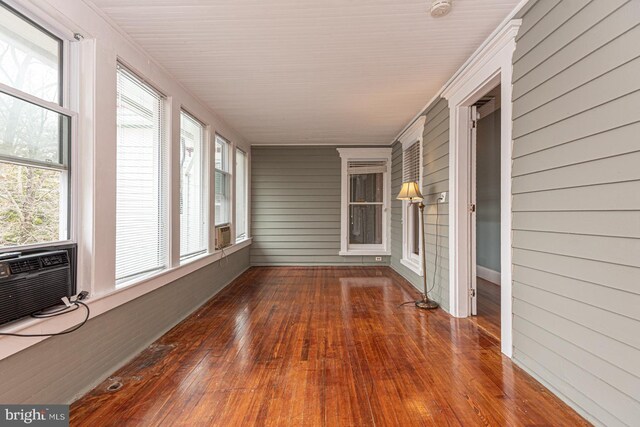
(490, 66)
(485, 197)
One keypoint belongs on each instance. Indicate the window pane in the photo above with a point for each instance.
(222, 154)
(366, 187)
(241, 194)
(31, 207)
(31, 132)
(222, 198)
(140, 202)
(365, 224)
(30, 59)
(192, 217)
(414, 211)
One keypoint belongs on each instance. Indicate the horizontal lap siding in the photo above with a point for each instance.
(576, 204)
(435, 173)
(295, 202)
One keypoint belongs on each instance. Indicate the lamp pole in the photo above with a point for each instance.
(425, 303)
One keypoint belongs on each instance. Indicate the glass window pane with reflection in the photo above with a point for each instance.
(366, 188)
(30, 57)
(365, 224)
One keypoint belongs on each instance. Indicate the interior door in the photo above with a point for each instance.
(473, 283)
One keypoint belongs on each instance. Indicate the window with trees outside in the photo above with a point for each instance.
(223, 181)
(35, 135)
(193, 238)
(141, 179)
(242, 193)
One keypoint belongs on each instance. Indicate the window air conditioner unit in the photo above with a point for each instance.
(223, 236)
(33, 280)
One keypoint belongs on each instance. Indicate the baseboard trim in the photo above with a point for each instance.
(488, 274)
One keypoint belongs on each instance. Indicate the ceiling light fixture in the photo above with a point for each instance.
(440, 8)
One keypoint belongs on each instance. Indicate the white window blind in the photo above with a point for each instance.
(242, 192)
(223, 182)
(141, 217)
(411, 163)
(192, 195)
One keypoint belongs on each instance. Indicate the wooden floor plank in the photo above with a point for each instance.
(488, 299)
(323, 346)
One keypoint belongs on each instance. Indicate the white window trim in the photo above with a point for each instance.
(231, 158)
(235, 195)
(68, 106)
(410, 260)
(204, 190)
(355, 154)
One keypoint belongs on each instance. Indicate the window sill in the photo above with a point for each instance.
(412, 265)
(364, 252)
(100, 304)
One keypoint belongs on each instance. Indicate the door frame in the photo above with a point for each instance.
(491, 66)
(473, 217)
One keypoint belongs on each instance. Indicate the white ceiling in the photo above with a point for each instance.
(303, 71)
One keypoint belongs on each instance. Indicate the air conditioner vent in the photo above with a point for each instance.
(24, 265)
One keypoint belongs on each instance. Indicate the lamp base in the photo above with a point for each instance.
(427, 304)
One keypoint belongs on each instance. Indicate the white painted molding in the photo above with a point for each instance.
(413, 266)
(488, 274)
(349, 154)
(413, 133)
(492, 65)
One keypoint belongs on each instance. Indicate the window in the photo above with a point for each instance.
(223, 181)
(141, 175)
(411, 172)
(35, 135)
(193, 239)
(242, 193)
(411, 211)
(365, 201)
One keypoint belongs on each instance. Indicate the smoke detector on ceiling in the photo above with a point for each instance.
(440, 8)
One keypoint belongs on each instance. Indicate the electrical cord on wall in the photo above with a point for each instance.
(435, 260)
(75, 305)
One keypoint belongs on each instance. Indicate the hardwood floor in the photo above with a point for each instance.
(488, 317)
(321, 347)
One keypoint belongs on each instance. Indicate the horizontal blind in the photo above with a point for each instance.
(192, 195)
(141, 175)
(366, 166)
(411, 163)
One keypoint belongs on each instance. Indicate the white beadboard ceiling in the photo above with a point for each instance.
(309, 72)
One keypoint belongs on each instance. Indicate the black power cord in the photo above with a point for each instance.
(75, 305)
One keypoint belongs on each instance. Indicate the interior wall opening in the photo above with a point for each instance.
(486, 178)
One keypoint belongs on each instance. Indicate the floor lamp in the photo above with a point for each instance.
(410, 191)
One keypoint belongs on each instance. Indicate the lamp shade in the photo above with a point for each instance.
(410, 191)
